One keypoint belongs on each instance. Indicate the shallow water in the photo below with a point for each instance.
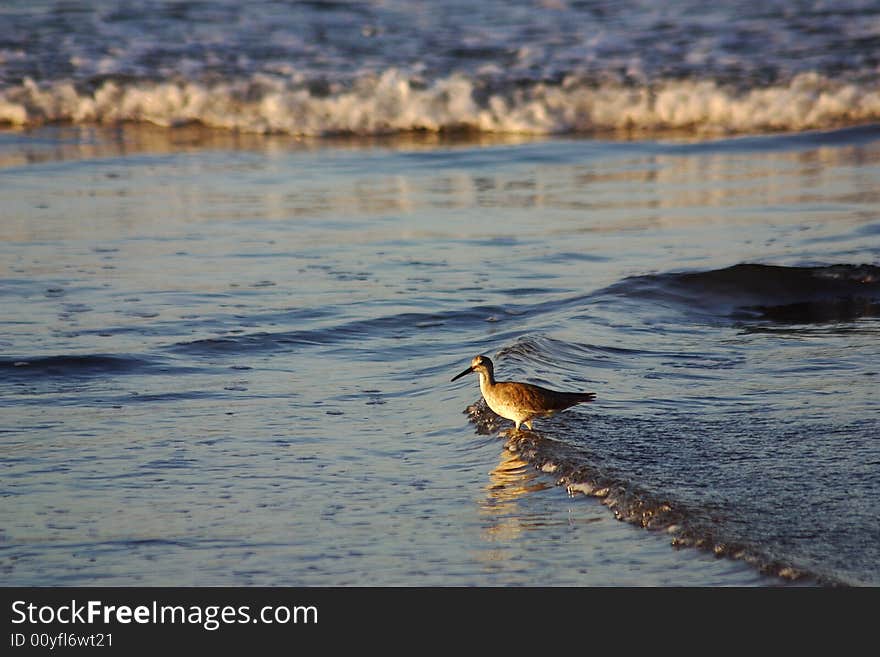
(226, 360)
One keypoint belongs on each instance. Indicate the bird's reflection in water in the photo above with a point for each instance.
(510, 480)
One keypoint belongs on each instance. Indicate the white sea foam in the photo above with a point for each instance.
(390, 103)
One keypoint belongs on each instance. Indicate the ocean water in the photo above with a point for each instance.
(382, 66)
(242, 254)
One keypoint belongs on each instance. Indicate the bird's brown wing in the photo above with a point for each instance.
(536, 399)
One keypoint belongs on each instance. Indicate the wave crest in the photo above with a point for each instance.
(392, 103)
(789, 294)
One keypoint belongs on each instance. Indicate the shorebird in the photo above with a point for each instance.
(520, 402)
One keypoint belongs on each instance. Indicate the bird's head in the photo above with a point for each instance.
(480, 364)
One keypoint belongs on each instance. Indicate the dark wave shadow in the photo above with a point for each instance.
(765, 292)
(84, 366)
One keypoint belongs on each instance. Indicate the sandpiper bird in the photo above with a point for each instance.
(520, 402)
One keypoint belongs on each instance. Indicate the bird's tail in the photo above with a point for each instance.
(572, 398)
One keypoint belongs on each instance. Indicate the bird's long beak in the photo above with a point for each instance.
(467, 371)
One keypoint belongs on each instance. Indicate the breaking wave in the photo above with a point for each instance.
(391, 102)
(685, 524)
(694, 441)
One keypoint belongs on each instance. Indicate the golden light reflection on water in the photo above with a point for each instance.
(664, 185)
(71, 142)
(509, 481)
(513, 509)
(512, 478)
